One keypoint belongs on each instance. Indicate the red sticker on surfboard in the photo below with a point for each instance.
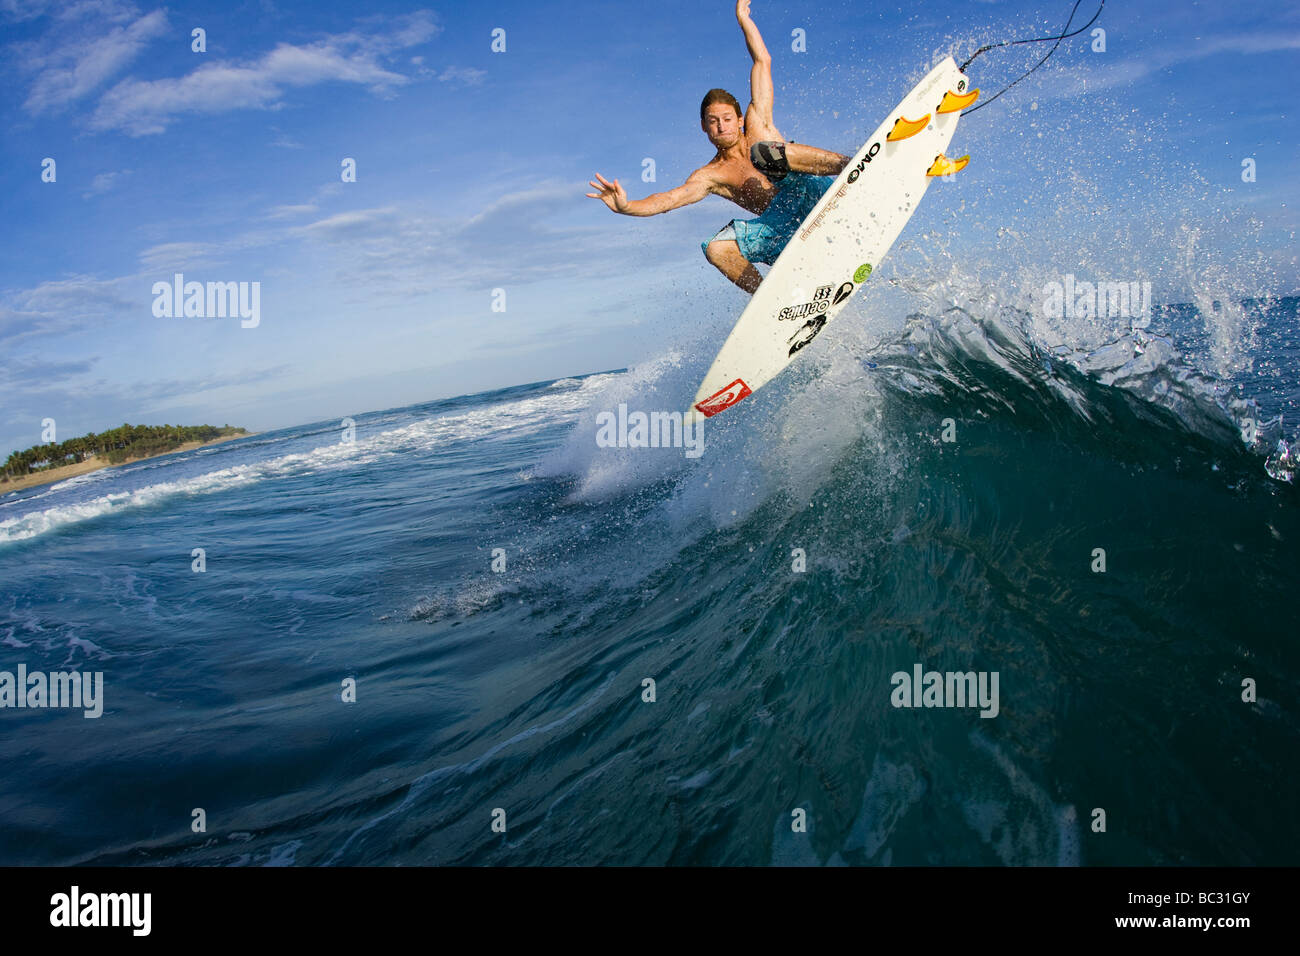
(724, 399)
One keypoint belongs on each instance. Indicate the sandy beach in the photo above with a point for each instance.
(94, 463)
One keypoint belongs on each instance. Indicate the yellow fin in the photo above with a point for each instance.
(952, 102)
(904, 127)
(943, 166)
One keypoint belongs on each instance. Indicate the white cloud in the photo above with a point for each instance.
(51, 382)
(142, 107)
(62, 308)
(178, 255)
(292, 211)
(76, 296)
(518, 237)
(462, 76)
(68, 69)
(346, 226)
(112, 11)
(18, 325)
(1132, 70)
(24, 373)
(79, 66)
(104, 182)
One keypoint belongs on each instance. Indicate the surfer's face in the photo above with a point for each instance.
(722, 125)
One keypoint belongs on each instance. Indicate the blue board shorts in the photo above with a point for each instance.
(762, 239)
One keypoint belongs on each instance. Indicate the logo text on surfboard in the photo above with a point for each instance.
(724, 398)
(857, 170)
(821, 301)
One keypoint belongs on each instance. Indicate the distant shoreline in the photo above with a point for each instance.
(94, 463)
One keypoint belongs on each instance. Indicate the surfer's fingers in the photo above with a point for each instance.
(603, 180)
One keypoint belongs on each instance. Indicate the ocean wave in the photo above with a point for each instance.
(515, 418)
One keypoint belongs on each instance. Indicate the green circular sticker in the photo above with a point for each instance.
(864, 270)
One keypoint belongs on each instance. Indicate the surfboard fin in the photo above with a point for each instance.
(943, 166)
(904, 127)
(953, 102)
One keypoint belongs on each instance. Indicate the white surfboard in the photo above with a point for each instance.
(843, 239)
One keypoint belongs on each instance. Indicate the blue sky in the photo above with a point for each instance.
(472, 167)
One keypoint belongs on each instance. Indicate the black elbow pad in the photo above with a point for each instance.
(769, 159)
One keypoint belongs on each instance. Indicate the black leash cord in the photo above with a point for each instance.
(1064, 35)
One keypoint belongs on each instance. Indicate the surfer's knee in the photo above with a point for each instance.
(720, 252)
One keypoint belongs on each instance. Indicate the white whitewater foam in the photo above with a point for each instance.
(522, 416)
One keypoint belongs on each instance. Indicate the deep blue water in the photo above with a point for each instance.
(522, 689)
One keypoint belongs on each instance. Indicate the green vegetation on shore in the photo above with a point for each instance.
(114, 446)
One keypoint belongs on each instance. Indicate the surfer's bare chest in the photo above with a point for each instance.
(739, 181)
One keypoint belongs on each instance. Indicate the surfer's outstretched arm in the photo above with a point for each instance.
(696, 187)
(758, 118)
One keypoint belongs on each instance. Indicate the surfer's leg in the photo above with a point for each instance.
(810, 159)
(725, 254)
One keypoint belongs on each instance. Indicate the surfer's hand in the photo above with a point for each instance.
(742, 10)
(611, 194)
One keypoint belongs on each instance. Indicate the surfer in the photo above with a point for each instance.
(755, 167)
